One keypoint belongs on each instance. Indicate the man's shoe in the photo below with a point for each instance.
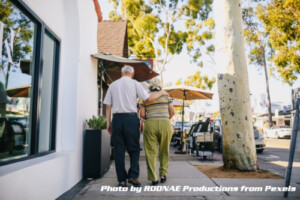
(154, 182)
(122, 184)
(163, 179)
(135, 182)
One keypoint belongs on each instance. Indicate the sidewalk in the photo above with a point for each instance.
(183, 174)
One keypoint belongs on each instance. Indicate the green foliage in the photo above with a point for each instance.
(198, 81)
(97, 123)
(256, 38)
(152, 30)
(216, 115)
(281, 36)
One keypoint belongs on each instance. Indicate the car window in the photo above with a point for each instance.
(256, 133)
(185, 124)
(199, 128)
(193, 128)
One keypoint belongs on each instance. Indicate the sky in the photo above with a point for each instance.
(180, 68)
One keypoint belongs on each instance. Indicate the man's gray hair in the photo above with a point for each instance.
(127, 69)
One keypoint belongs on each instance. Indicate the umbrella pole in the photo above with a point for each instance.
(182, 119)
(181, 135)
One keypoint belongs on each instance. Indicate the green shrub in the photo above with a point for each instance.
(97, 123)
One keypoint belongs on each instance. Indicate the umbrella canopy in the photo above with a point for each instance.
(113, 64)
(187, 93)
(20, 91)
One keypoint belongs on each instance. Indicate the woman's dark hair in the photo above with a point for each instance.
(153, 89)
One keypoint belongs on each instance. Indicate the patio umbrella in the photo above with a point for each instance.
(112, 66)
(20, 91)
(187, 93)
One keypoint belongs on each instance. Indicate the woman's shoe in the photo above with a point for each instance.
(154, 182)
(163, 179)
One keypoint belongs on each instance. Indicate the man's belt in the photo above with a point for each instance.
(131, 113)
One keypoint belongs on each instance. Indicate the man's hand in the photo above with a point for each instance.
(164, 93)
(156, 95)
(108, 117)
(109, 129)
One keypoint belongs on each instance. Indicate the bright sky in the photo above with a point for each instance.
(180, 67)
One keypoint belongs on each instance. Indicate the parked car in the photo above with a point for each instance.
(281, 132)
(178, 126)
(260, 142)
(177, 131)
(218, 132)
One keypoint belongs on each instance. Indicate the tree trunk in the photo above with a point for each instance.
(161, 78)
(268, 91)
(234, 94)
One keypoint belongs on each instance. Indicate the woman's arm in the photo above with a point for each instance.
(143, 112)
(171, 110)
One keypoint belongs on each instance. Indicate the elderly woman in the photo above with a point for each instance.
(157, 131)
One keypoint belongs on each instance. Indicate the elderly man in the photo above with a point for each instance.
(122, 97)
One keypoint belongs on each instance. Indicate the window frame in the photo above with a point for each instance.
(41, 30)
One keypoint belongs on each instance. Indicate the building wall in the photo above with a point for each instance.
(47, 177)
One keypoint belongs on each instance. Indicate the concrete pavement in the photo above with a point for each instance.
(184, 181)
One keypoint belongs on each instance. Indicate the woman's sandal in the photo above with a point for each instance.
(163, 179)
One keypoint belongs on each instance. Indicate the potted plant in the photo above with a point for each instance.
(96, 150)
(97, 123)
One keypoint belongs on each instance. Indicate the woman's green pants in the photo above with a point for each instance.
(157, 138)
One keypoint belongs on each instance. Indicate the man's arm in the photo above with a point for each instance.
(156, 95)
(108, 118)
(171, 110)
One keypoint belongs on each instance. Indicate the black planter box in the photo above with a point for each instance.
(96, 153)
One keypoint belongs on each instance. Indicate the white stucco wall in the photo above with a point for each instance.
(47, 177)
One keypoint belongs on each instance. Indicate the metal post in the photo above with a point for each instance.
(182, 119)
(100, 87)
(292, 147)
(181, 135)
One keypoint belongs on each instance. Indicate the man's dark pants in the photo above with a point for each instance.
(125, 136)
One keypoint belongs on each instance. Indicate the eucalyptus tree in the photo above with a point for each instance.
(234, 95)
(260, 50)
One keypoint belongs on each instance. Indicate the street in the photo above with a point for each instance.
(275, 158)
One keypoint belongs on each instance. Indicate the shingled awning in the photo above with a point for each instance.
(112, 67)
(112, 38)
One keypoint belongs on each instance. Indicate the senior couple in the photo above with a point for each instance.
(157, 109)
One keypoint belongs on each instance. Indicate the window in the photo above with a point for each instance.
(28, 84)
